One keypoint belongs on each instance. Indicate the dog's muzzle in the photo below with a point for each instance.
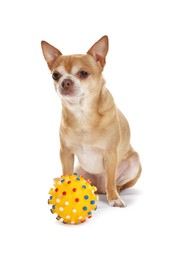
(67, 87)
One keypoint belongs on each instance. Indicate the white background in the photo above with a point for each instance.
(144, 73)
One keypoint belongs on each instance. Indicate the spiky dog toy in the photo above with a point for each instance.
(73, 199)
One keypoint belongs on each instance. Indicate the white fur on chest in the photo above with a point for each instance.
(90, 158)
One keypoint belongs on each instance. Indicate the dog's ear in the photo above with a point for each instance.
(99, 50)
(50, 53)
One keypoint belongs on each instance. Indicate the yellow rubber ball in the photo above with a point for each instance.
(73, 199)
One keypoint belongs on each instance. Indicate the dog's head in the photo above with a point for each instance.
(76, 75)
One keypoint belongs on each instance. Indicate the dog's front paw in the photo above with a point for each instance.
(118, 203)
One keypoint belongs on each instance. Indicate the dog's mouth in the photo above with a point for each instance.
(68, 92)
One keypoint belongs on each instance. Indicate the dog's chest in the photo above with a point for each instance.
(90, 158)
(84, 140)
(89, 150)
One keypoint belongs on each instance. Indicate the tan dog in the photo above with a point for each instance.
(92, 127)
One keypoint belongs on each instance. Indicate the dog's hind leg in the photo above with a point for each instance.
(128, 172)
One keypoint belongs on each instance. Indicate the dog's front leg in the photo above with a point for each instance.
(67, 160)
(110, 165)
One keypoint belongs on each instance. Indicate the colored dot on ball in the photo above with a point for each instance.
(84, 208)
(84, 186)
(61, 209)
(89, 213)
(64, 193)
(74, 210)
(56, 189)
(66, 203)
(57, 200)
(78, 179)
(68, 182)
(76, 199)
(80, 217)
(86, 197)
(68, 217)
(92, 202)
(74, 189)
(62, 180)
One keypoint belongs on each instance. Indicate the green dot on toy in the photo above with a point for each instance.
(73, 199)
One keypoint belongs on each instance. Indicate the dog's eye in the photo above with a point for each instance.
(56, 76)
(83, 74)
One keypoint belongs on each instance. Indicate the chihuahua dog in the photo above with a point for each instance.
(92, 127)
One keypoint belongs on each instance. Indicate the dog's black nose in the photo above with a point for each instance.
(67, 83)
